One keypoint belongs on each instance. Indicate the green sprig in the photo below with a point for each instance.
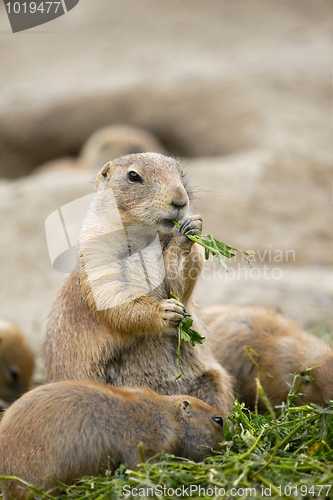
(186, 334)
(215, 247)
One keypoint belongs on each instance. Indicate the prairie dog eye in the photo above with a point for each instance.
(12, 373)
(134, 177)
(307, 378)
(218, 420)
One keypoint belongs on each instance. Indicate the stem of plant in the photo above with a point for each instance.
(186, 334)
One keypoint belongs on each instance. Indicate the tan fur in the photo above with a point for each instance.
(73, 428)
(281, 348)
(16, 363)
(104, 144)
(115, 141)
(134, 340)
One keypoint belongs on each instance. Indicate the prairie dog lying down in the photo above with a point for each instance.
(75, 428)
(278, 348)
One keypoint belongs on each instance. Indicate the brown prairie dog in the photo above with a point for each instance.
(281, 348)
(16, 363)
(105, 144)
(75, 428)
(113, 320)
(115, 141)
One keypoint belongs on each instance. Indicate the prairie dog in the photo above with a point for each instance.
(105, 143)
(115, 141)
(75, 428)
(114, 320)
(279, 349)
(16, 363)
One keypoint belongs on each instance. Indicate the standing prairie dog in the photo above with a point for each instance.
(72, 429)
(114, 320)
(16, 363)
(278, 348)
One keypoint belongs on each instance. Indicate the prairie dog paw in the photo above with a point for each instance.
(172, 311)
(190, 226)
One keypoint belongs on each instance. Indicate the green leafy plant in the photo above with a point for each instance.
(215, 247)
(288, 456)
(186, 334)
(218, 249)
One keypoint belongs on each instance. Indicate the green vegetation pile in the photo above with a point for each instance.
(287, 453)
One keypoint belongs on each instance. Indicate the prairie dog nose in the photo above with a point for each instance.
(179, 198)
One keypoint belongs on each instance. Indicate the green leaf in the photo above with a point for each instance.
(186, 334)
(215, 247)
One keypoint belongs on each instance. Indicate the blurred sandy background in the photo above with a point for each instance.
(240, 90)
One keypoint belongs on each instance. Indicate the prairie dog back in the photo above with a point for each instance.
(115, 141)
(277, 346)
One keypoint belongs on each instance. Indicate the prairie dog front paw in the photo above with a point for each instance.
(190, 226)
(172, 311)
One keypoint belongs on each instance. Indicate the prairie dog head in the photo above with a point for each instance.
(201, 428)
(16, 362)
(150, 189)
(320, 389)
(306, 354)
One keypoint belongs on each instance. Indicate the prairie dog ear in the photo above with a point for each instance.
(186, 408)
(105, 174)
